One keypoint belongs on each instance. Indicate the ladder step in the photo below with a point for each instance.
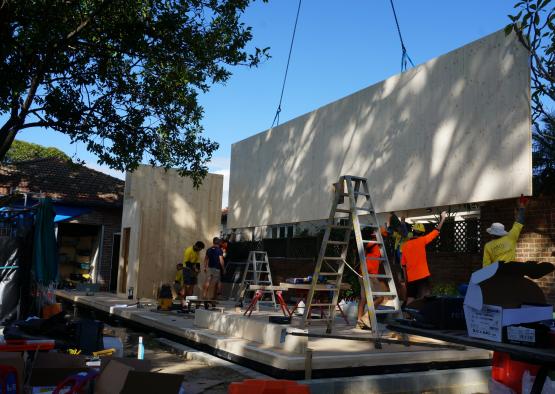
(313, 305)
(332, 258)
(380, 276)
(365, 209)
(340, 226)
(371, 241)
(330, 273)
(355, 193)
(383, 293)
(385, 311)
(354, 178)
(337, 243)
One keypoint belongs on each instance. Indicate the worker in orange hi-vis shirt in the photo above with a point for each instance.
(373, 258)
(413, 260)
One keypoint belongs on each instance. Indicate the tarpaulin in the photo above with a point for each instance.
(45, 253)
(63, 212)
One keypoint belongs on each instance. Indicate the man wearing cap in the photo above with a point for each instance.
(503, 248)
(413, 259)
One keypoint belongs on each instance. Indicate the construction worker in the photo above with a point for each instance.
(213, 262)
(415, 263)
(373, 256)
(503, 248)
(398, 230)
(224, 245)
(178, 284)
(191, 266)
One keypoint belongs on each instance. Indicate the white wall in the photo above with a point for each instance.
(455, 129)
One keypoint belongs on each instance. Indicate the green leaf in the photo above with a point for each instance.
(508, 29)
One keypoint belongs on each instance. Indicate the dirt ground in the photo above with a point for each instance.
(198, 377)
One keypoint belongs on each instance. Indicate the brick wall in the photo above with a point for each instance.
(452, 268)
(110, 218)
(536, 242)
(537, 239)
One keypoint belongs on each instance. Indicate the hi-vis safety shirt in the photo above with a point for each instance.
(503, 248)
(179, 277)
(414, 256)
(373, 255)
(190, 256)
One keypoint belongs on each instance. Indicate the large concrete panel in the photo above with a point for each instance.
(453, 130)
(164, 214)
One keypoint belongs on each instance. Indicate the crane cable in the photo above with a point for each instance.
(405, 58)
(276, 117)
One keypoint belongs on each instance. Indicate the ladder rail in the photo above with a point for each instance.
(340, 270)
(362, 258)
(386, 264)
(322, 254)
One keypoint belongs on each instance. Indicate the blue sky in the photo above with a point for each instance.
(340, 47)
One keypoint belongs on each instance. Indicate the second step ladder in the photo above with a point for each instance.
(257, 272)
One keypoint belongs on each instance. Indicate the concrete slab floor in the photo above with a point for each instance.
(255, 345)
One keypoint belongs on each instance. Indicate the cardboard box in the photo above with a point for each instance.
(118, 377)
(502, 294)
(51, 368)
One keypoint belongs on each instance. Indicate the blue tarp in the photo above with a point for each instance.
(63, 212)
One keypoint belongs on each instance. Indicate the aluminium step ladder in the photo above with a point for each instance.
(257, 272)
(352, 211)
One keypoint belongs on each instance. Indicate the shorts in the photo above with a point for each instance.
(177, 287)
(213, 273)
(374, 284)
(419, 288)
(189, 276)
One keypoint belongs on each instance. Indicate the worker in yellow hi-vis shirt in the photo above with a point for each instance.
(191, 267)
(503, 248)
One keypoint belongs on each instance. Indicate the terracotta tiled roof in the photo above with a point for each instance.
(63, 181)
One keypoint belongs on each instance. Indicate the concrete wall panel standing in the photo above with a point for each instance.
(165, 214)
(453, 130)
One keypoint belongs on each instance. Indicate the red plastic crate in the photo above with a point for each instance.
(260, 386)
(509, 372)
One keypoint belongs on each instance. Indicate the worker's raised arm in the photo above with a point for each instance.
(435, 232)
(443, 217)
(522, 204)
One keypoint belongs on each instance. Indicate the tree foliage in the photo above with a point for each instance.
(121, 76)
(544, 157)
(534, 24)
(21, 151)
